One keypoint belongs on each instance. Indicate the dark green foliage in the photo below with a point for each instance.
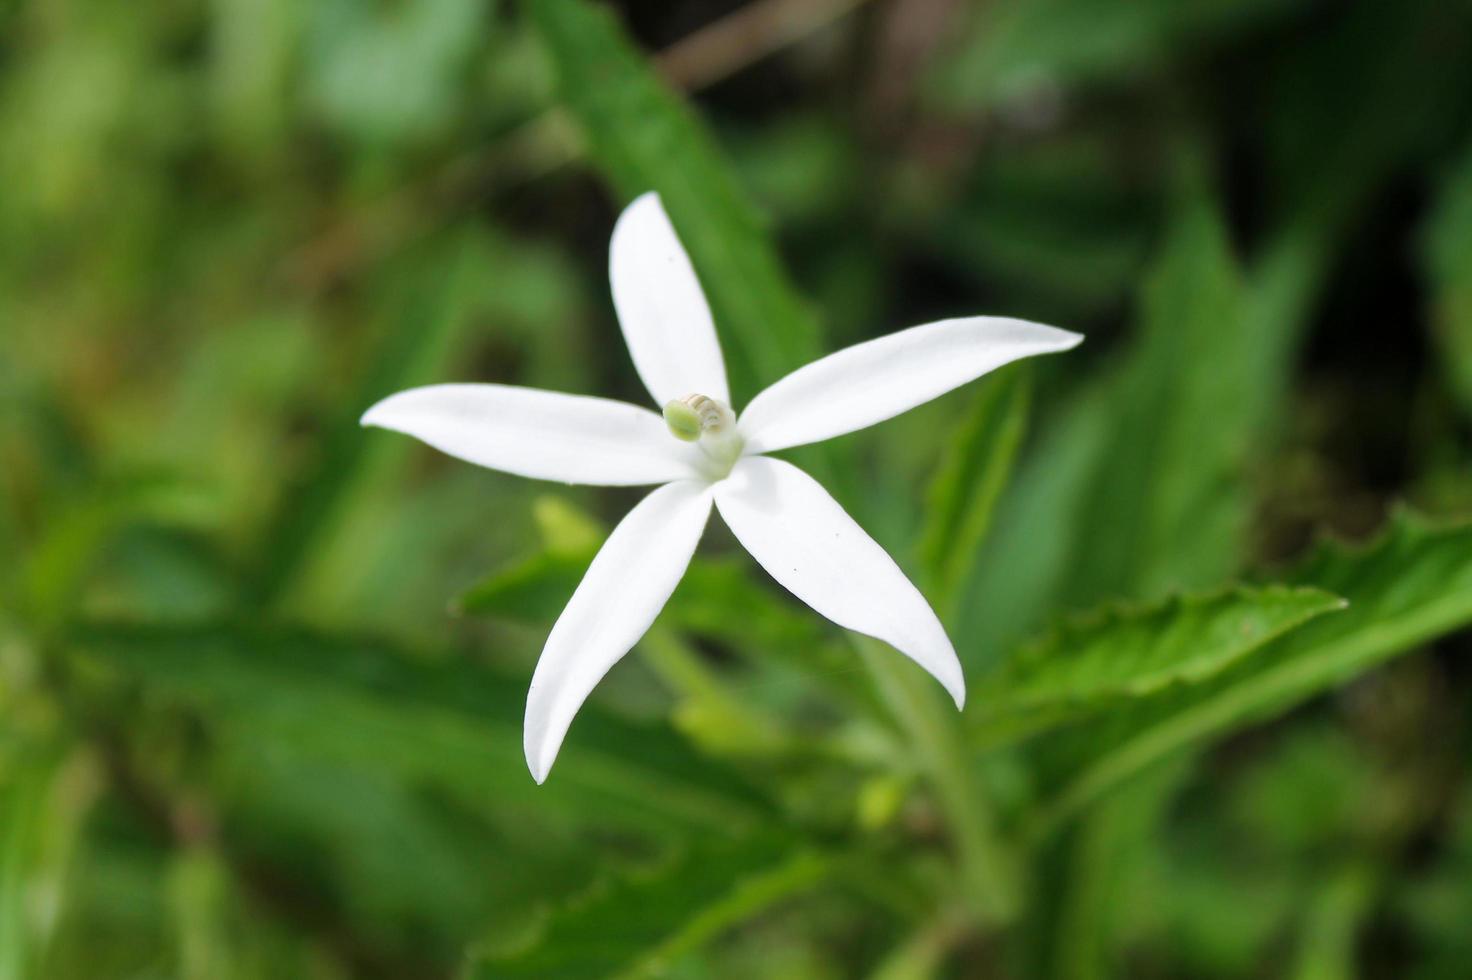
(263, 672)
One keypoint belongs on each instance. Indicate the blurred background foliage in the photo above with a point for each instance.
(262, 672)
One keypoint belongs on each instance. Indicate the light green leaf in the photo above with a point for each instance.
(640, 923)
(1124, 651)
(1412, 585)
(643, 138)
(22, 806)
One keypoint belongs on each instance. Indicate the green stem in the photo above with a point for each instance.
(988, 867)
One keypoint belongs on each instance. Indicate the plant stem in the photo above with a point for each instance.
(988, 868)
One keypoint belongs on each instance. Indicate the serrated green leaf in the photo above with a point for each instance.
(1410, 586)
(638, 924)
(643, 138)
(1133, 651)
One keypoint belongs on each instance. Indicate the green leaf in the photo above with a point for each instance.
(638, 924)
(22, 807)
(422, 329)
(1009, 50)
(1133, 651)
(1330, 933)
(973, 473)
(644, 138)
(47, 791)
(363, 703)
(1152, 456)
(533, 590)
(73, 539)
(1411, 586)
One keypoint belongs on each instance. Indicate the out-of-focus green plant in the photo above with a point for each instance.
(262, 678)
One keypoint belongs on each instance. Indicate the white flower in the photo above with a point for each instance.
(703, 454)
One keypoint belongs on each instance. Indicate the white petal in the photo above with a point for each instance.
(544, 435)
(879, 379)
(662, 310)
(627, 585)
(806, 541)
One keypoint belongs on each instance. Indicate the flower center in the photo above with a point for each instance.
(709, 423)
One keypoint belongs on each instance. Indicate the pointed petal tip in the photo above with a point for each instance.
(374, 416)
(537, 767)
(951, 678)
(648, 199)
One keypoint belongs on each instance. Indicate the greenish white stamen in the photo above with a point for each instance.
(712, 424)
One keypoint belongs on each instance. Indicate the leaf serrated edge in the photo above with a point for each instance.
(1283, 683)
(1002, 695)
(1404, 522)
(793, 867)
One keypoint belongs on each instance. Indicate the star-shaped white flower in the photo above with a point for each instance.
(704, 455)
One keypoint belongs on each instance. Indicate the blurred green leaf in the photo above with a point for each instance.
(1057, 227)
(974, 471)
(1448, 249)
(426, 319)
(534, 590)
(640, 924)
(362, 703)
(643, 138)
(79, 533)
(1412, 585)
(1007, 51)
(22, 805)
(1435, 903)
(46, 794)
(386, 74)
(1330, 932)
(1143, 462)
(1121, 651)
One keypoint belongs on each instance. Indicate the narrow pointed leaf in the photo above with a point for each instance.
(644, 138)
(973, 472)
